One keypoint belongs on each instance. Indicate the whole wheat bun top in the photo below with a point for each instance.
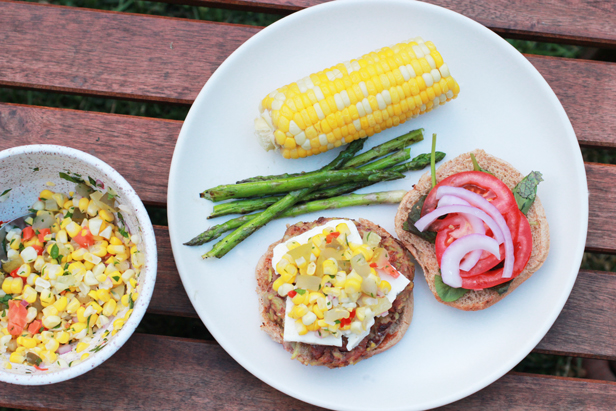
(424, 251)
(272, 324)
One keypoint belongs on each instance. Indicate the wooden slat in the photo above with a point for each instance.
(40, 53)
(602, 212)
(165, 373)
(117, 55)
(585, 326)
(169, 294)
(138, 148)
(582, 22)
(149, 143)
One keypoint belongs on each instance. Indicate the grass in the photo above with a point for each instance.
(193, 328)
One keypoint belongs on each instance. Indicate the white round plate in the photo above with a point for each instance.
(505, 107)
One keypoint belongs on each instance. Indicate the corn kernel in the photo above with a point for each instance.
(80, 314)
(78, 327)
(62, 337)
(16, 286)
(73, 306)
(60, 303)
(84, 356)
(96, 307)
(61, 237)
(16, 358)
(115, 241)
(301, 328)
(73, 229)
(52, 345)
(125, 300)
(105, 215)
(104, 295)
(45, 194)
(83, 204)
(118, 324)
(6, 285)
(109, 308)
(29, 294)
(81, 346)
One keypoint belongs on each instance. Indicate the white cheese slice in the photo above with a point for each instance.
(353, 340)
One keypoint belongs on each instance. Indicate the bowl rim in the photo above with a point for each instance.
(147, 288)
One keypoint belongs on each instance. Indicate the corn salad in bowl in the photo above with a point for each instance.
(79, 270)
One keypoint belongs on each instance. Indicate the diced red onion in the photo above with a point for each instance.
(450, 263)
(63, 349)
(24, 303)
(429, 218)
(476, 224)
(478, 201)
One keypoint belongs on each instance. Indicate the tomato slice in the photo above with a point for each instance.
(488, 270)
(488, 186)
(522, 249)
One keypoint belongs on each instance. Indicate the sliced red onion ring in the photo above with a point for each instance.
(478, 201)
(450, 263)
(476, 224)
(451, 200)
(429, 218)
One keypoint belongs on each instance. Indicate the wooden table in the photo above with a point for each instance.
(159, 59)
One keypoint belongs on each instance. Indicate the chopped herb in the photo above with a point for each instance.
(70, 363)
(337, 321)
(35, 169)
(372, 295)
(501, 288)
(37, 232)
(70, 178)
(69, 214)
(92, 181)
(41, 329)
(88, 322)
(123, 232)
(5, 300)
(111, 194)
(5, 192)
(116, 277)
(131, 303)
(57, 326)
(66, 266)
(32, 210)
(21, 247)
(121, 218)
(55, 252)
(300, 291)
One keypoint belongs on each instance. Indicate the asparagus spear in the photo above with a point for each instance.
(285, 185)
(397, 143)
(386, 148)
(250, 205)
(384, 197)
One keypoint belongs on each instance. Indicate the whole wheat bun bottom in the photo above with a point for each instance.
(424, 251)
(306, 353)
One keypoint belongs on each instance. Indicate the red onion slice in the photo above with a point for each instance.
(478, 201)
(429, 218)
(450, 263)
(477, 226)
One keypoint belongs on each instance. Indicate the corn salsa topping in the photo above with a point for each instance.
(335, 282)
(73, 270)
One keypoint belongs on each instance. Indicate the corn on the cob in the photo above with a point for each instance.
(355, 99)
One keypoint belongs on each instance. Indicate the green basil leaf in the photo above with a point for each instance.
(414, 215)
(447, 293)
(501, 288)
(55, 252)
(526, 191)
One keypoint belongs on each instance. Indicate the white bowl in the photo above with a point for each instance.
(26, 170)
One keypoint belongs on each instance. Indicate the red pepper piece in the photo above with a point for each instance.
(331, 236)
(43, 233)
(292, 293)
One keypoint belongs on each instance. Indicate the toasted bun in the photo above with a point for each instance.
(424, 251)
(272, 306)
